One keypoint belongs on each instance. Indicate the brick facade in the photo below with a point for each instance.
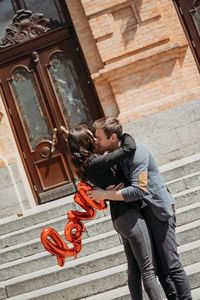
(137, 54)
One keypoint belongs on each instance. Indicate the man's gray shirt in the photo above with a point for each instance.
(146, 183)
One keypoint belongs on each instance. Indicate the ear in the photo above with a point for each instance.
(114, 137)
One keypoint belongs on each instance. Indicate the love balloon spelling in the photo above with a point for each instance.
(74, 228)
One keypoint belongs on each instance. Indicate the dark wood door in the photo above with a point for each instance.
(189, 14)
(44, 90)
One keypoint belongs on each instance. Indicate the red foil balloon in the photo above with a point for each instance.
(74, 228)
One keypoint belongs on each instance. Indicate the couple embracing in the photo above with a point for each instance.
(142, 209)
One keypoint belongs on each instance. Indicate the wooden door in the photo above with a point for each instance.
(44, 90)
(189, 14)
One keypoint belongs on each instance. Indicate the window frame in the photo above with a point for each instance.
(189, 27)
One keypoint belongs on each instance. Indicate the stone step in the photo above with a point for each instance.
(27, 271)
(82, 266)
(57, 211)
(196, 293)
(88, 285)
(95, 229)
(183, 198)
(29, 233)
(72, 270)
(44, 259)
(122, 293)
(188, 254)
(45, 213)
(37, 215)
(187, 197)
(185, 215)
(184, 183)
(180, 168)
(188, 233)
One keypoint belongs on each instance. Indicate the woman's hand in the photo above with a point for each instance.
(115, 187)
(97, 194)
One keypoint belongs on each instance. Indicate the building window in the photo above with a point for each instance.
(189, 14)
(196, 15)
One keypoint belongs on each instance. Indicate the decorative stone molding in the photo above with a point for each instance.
(139, 61)
(26, 26)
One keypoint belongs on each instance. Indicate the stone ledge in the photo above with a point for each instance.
(140, 61)
(93, 7)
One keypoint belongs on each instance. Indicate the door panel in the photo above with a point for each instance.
(34, 123)
(67, 89)
(69, 83)
(29, 102)
(44, 91)
(47, 169)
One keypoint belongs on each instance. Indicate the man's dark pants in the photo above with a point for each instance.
(169, 268)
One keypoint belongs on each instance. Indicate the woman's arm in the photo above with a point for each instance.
(101, 163)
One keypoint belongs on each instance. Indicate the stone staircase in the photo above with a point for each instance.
(27, 271)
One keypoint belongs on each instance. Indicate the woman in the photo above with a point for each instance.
(100, 170)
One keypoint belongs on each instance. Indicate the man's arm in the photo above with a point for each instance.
(138, 177)
(102, 163)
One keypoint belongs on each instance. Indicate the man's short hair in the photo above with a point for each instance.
(110, 125)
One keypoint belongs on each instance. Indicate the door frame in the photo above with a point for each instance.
(9, 55)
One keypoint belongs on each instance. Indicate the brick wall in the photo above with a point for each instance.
(146, 73)
(137, 54)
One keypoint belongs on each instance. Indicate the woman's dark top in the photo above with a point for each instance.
(104, 170)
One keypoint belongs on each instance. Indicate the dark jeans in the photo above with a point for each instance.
(135, 235)
(169, 268)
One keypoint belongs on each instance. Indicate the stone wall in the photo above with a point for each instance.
(13, 199)
(13, 196)
(171, 134)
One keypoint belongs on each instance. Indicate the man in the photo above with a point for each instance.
(146, 184)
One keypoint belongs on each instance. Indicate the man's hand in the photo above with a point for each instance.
(115, 187)
(96, 194)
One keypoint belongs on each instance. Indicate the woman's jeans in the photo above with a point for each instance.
(135, 235)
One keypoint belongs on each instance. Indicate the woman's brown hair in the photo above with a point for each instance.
(82, 145)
